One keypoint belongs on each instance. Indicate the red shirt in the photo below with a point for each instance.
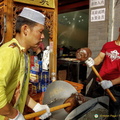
(111, 65)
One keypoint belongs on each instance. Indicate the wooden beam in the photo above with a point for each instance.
(53, 46)
(70, 7)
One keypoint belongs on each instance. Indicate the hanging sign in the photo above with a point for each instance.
(44, 3)
(97, 3)
(98, 14)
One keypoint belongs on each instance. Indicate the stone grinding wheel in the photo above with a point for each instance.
(60, 92)
(56, 94)
(83, 54)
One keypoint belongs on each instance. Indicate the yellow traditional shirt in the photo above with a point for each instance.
(12, 71)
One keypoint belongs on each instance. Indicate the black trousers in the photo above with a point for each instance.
(114, 107)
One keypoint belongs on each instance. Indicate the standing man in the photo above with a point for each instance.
(110, 73)
(14, 67)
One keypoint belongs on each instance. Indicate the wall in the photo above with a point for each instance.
(98, 32)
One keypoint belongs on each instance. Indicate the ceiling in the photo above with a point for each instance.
(72, 5)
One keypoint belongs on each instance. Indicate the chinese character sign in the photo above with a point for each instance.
(44, 3)
(98, 14)
(97, 3)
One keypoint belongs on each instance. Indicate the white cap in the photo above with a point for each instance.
(33, 15)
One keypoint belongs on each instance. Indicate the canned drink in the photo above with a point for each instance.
(34, 77)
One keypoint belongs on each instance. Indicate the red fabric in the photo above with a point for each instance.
(111, 65)
(42, 46)
(31, 61)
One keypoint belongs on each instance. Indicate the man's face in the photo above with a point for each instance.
(35, 35)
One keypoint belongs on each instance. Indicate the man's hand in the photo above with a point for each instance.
(89, 62)
(38, 107)
(105, 84)
(18, 117)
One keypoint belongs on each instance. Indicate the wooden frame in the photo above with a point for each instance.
(8, 13)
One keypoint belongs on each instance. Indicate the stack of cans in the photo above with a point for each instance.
(38, 77)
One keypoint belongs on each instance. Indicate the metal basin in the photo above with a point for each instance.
(56, 94)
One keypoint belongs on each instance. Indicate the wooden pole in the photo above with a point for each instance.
(33, 115)
(53, 45)
(107, 90)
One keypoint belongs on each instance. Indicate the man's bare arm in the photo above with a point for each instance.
(8, 111)
(99, 58)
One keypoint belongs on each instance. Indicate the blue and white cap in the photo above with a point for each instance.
(33, 15)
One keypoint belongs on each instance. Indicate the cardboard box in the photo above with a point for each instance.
(62, 75)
